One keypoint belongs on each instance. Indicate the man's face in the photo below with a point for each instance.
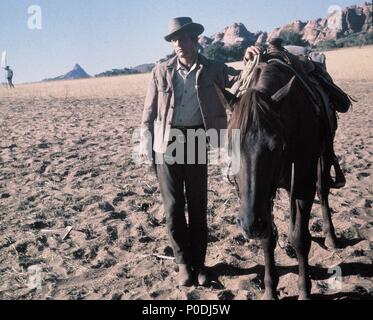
(184, 46)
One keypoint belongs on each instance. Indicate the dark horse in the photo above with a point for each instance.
(282, 138)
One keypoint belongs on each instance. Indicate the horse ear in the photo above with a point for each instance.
(283, 92)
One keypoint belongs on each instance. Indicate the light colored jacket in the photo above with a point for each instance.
(160, 100)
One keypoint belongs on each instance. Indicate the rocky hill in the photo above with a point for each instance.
(236, 34)
(355, 19)
(339, 24)
(76, 73)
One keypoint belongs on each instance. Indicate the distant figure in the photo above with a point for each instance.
(9, 76)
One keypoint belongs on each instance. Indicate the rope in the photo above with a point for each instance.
(247, 75)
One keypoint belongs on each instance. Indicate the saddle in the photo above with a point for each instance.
(314, 66)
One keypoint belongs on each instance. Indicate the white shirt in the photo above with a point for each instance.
(187, 109)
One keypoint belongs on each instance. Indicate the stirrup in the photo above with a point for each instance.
(339, 184)
(340, 180)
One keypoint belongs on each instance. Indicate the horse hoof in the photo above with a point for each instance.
(304, 297)
(332, 243)
(269, 297)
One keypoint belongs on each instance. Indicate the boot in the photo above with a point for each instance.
(202, 276)
(185, 278)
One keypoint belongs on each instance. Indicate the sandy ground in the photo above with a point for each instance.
(66, 160)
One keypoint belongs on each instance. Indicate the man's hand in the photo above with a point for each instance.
(146, 147)
(252, 52)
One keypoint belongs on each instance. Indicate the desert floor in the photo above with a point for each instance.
(66, 160)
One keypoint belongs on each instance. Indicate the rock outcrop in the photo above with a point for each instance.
(339, 24)
(236, 34)
(205, 41)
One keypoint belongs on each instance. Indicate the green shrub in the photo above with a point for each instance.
(234, 53)
(218, 52)
(368, 38)
(328, 44)
(353, 40)
(292, 38)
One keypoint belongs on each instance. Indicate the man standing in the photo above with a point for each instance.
(182, 97)
(9, 76)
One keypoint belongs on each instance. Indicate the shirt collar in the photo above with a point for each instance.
(179, 66)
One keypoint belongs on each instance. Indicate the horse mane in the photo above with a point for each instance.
(244, 115)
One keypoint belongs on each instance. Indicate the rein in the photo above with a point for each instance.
(234, 182)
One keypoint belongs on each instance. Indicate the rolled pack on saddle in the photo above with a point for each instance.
(327, 97)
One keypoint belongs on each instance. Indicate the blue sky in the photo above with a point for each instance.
(105, 34)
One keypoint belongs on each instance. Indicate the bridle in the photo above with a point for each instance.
(286, 154)
(232, 180)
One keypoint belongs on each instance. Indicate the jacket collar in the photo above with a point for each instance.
(172, 62)
(203, 60)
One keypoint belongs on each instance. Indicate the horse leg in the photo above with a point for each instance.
(300, 238)
(271, 276)
(323, 190)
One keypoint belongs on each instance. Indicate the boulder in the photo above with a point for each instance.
(205, 41)
(237, 34)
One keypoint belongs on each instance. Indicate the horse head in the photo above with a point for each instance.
(261, 159)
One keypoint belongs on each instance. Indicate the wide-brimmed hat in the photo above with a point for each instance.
(181, 24)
